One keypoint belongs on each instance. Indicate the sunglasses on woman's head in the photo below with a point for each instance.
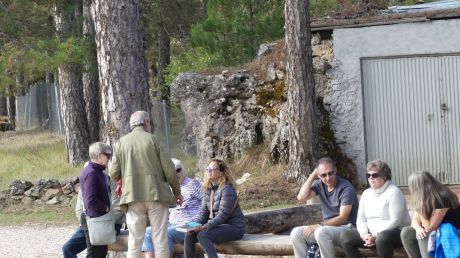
(209, 170)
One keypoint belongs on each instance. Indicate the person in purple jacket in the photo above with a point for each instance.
(96, 192)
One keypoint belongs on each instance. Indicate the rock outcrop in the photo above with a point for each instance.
(230, 112)
(222, 118)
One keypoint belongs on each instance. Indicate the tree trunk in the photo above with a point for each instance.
(49, 79)
(123, 70)
(203, 9)
(3, 109)
(163, 58)
(252, 36)
(280, 220)
(72, 101)
(20, 90)
(303, 132)
(21, 87)
(11, 105)
(90, 76)
(73, 114)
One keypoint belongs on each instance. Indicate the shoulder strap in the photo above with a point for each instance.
(235, 204)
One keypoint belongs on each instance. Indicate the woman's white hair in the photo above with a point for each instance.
(97, 149)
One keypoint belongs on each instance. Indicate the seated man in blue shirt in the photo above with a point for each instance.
(339, 207)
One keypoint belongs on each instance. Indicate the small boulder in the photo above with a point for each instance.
(53, 201)
(49, 183)
(266, 48)
(51, 193)
(19, 187)
(68, 189)
(74, 180)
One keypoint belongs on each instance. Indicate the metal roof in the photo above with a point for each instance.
(436, 5)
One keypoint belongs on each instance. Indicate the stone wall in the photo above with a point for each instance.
(44, 192)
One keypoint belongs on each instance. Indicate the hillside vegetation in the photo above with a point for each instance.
(38, 155)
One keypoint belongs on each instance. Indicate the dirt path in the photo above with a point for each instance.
(34, 241)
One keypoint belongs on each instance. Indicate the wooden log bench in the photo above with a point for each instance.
(260, 239)
(253, 244)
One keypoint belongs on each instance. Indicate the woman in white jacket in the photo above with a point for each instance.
(382, 214)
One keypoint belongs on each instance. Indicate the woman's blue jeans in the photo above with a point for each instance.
(207, 238)
(75, 245)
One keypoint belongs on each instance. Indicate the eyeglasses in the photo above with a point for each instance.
(330, 173)
(178, 170)
(373, 175)
(209, 170)
(107, 155)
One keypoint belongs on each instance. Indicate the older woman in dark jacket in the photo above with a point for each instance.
(220, 217)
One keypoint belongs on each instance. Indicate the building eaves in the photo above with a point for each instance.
(422, 15)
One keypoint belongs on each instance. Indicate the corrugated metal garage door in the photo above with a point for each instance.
(411, 112)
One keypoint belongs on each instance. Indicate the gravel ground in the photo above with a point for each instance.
(34, 241)
(46, 241)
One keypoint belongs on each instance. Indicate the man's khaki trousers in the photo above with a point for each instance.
(136, 220)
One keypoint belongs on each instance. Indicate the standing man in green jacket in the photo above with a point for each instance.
(148, 175)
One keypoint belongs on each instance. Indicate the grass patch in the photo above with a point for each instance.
(266, 188)
(32, 156)
(44, 214)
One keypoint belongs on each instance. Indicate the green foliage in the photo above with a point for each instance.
(322, 8)
(234, 29)
(195, 59)
(177, 17)
(28, 44)
(24, 20)
(227, 37)
(34, 62)
(71, 50)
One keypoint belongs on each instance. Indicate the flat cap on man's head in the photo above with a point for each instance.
(138, 118)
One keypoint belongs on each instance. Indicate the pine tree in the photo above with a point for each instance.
(234, 30)
(90, 75)
(122, 64)
(76, 130)
(303, 132)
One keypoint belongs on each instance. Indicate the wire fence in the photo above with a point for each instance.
(169, 124)
(40, 108)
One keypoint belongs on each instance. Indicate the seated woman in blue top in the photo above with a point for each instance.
(220, 217)
(433, 203)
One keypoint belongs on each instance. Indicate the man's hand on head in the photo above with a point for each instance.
(315, 173)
